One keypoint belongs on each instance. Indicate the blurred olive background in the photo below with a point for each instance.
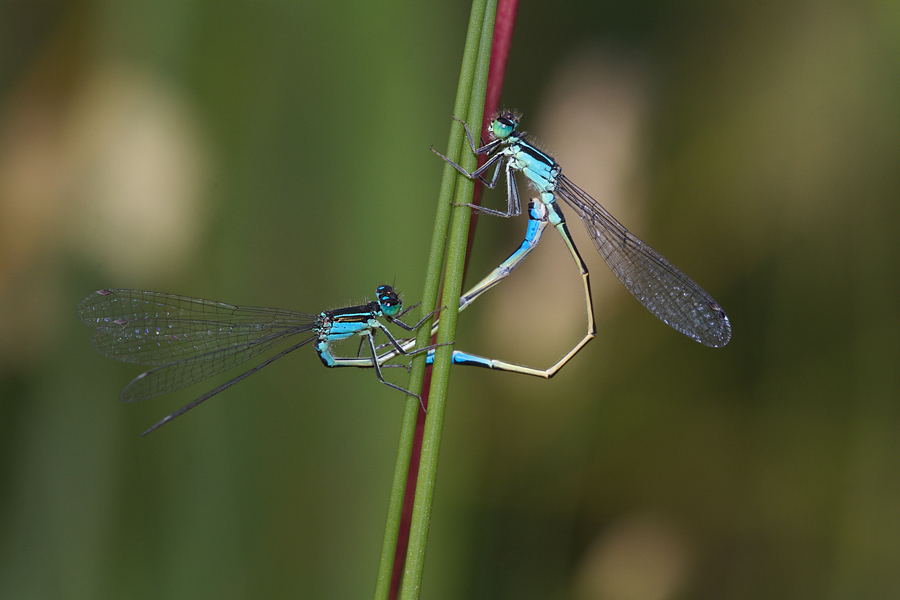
(276, 154)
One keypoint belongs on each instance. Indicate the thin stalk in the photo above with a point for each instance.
(471, 56)
(453, 277)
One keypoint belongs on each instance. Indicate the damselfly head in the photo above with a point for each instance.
(389, 300)
(504, 124)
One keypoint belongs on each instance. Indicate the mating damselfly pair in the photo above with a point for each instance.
(187, 340)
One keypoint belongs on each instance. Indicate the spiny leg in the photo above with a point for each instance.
(373, 362)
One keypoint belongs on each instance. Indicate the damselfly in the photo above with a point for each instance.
(662, 288)
(188, 340)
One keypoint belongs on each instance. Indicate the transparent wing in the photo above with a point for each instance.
(177, 375)
(663, 289)
(190, 339)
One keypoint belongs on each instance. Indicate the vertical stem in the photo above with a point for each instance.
(415, 558)
(471, 54)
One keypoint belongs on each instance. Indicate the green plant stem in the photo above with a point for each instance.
(456, 251)
(472, 56)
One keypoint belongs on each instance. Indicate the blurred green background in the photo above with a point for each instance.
(276, 154)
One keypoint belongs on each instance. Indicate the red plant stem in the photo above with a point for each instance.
(500, 43)
(503, 30)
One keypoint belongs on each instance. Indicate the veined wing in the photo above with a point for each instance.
(180, 374)
(190, 338)
(661, 287)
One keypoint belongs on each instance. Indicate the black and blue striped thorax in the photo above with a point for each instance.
(341, 323)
